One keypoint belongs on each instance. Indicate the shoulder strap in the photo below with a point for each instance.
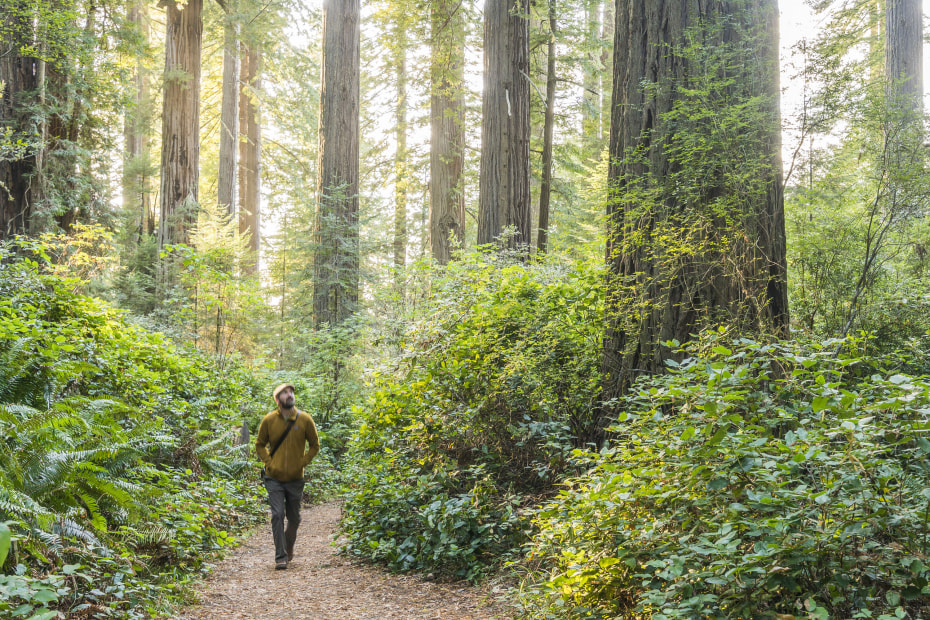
(274, 448)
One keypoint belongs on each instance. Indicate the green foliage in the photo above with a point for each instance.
(752, 480)
(494, 383)
(116, 452)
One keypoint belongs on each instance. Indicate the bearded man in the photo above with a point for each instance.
(282, 438)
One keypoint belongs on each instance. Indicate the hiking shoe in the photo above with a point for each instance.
(280, 566)
(290, 553)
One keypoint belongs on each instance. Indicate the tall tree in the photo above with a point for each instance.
(447, 134)
(335, 261)
(504, 177)
(180, 154)
(904, 66)
(229, 114)
(18, 76)
(545, 187)
(250, 150)
(401, 171)
(136, 132)
(696, 233)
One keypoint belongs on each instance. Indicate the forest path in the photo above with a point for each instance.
(322, 585)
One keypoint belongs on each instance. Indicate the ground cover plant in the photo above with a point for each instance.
(118, 477)
(753, 480)
(477, 418)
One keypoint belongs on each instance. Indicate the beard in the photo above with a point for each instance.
(287, 402)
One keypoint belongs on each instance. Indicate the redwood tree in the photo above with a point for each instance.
(335, 261)
(504, 178)
(696, 234)
(180, 154)
(447, 135)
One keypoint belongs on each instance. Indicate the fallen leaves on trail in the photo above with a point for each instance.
(322, 585)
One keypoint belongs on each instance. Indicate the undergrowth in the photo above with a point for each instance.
(119, 480)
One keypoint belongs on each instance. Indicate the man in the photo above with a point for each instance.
(280, 445)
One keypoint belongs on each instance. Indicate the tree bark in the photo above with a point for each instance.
(504, 177)
(904, 66)
(18, 74)
(229, 116)
(545, 188)
(684, 257)
(447, 135)
(136, 196)
(250, 170)
(335, 261)
(591, 84)
(180, 155)
(400, 154)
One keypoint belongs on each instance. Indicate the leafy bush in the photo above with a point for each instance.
(116, 451)
(479, 417)
(750, 482)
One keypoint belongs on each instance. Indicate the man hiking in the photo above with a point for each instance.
(282, 436)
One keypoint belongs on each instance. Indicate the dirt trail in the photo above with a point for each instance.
(321, 585)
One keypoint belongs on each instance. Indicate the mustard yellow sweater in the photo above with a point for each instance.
(290, 458)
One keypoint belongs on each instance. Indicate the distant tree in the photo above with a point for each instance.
(229, 115)
(336, 258)
(904, 54)
(504, 178)
(401, 171)
(696, 234)
(18, 78)
(545, 187)
(447, 133)
(250, 149)
(180, 155)
(137, 198)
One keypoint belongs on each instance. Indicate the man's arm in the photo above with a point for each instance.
(313, 442)
(261, 443)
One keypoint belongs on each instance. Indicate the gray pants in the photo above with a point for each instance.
(284, 498)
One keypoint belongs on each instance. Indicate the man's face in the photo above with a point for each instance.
(286, 398)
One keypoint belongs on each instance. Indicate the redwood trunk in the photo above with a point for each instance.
(250, 170)
(180, 154)
(734, 271)
(335, 261)
(400, 154)
(904, 66)
(447, 136)
(18, 74)
(545, 188)
(504, 179)
(229, 118)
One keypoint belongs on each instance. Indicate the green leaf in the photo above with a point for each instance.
(4, 542)
(819, 403)
(924, 445)
(718, 437)
(44, 614)
(893, 598)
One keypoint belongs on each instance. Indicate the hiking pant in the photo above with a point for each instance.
(284, 498)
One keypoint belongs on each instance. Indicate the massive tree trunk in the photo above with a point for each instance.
(904, 65)
(545, 187)
(229, 115)
(180, 154)
(400, 154)
(447, 135)
(18, 74)
(335, 261)
(696, 232)
(250, 153)
(504, 179)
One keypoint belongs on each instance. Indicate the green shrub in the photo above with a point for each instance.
(117, 467)
(493, 391)
(750, 482)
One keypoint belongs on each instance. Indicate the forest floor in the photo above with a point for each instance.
(321, 584)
